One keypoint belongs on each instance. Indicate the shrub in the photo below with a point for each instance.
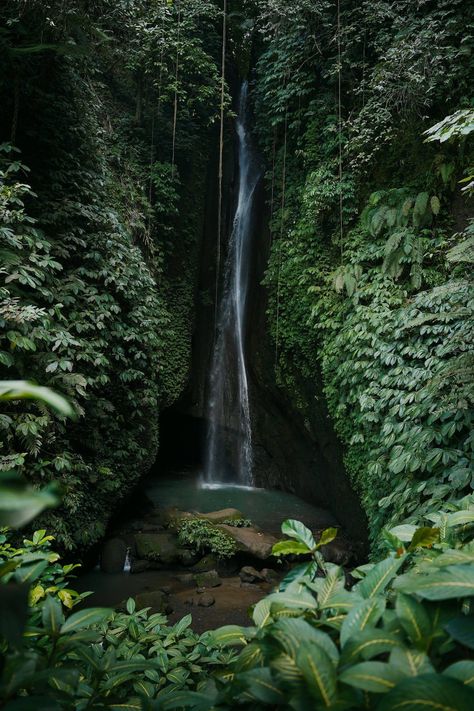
(203, 536)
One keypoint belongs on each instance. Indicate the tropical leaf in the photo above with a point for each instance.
(414, 619)
(463, 671)
(85, 618)
(365, 614)
(451, 582)
(379, 577)
(318, 671)
(369, 644)
(290, 548)
(296, 529)
(462, 630)
(376, 677)
(429, 692)
(289, 633)
(411, 662)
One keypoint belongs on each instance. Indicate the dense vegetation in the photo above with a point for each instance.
(111, 106)
(363, 115)
(366, 278)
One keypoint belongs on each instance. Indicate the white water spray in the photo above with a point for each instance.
(229, 445)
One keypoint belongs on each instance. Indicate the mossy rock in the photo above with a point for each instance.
(209, 562)
(209, 579)
(162, 547)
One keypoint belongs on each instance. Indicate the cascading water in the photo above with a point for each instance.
(229, 444)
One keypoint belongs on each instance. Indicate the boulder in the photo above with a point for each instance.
(250, 575)
(251, 541)
(221, 515)
(209, 562)
(206, 600)
(209, 579)
(162, 547)
(269, 576)
(156, 600)
(338, 552)
(139, 566)
(113, 555)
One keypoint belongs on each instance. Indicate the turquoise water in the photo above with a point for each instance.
(265, 508)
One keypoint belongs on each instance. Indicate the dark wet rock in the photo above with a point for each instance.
(188, 557)
(251, 541)
(206, 600)
(113, 554)
(200, 590)
(139, 566)
(162, 547)
(249, 585)
(209, 562)
(166, 589)
(209, 579)
(269, 575)
(338, 552)
(250, 575)
(155, 600)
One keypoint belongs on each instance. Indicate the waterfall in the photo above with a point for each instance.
(229, 443)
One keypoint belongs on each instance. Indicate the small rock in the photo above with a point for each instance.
(250, 575)
(206, 600)
(209, 579)
(166, 589)
(250, 586)
(113, 554)
(200, 590)
(336, 552)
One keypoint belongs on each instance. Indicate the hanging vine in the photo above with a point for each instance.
(282, 225)
(221, 159)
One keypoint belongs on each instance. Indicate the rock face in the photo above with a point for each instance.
(113, 554)
(162, 547)
(251, 541)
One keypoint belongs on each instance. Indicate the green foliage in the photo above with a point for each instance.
(98, 258)
(402, 633)
(204, 536)
(367, 285)
(93, 656)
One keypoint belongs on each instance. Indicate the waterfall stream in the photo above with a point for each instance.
(229, 443)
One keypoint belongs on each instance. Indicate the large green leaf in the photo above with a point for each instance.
(261, 686)
(230, 634)
(318, 671)
(85, 618)
(296, 529)
(429, 692)
(23, 389)
(52, 615)
(452, 582)
(368, 644)
(290, 632)
(462, 630)
(376, 677)
(463, 671)
(414, 619)
(379, 577)
(365, 614)
(290, 548)
(19, 504)
(411, 662)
